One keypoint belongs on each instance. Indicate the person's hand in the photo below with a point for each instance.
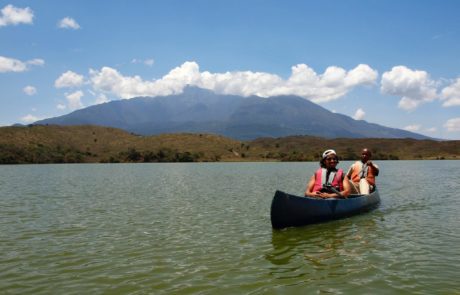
(314, 195)
(326, 195)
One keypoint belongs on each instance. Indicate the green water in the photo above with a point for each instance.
(205, 229)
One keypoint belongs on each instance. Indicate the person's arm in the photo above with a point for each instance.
(309, 190)
(346, 187)
(350, 171)
(374, 167)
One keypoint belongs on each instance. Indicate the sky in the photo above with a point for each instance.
(393, 63)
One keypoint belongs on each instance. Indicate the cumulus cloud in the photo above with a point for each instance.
(451, 94)
(453, 125)
(415, 87)
(359, 114)
(413, 128)
(69, 79)
(10, 15)
(303, 81)
(29, 119)
(11, 65)
(110, 80)
(68, 23)
(74, 100)
(30, 90)
(14, 65)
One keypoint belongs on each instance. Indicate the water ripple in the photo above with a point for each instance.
(205, 229)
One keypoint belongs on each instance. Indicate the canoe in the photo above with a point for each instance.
(290, 210)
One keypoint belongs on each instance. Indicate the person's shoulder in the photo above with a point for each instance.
(350, 169)
(342, 173)
(354, 164)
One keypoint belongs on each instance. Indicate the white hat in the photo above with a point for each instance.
(328, 152)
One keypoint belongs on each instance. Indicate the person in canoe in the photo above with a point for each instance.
(362, 174)
(328, 181)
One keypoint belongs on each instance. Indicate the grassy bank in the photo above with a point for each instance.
(94, 144)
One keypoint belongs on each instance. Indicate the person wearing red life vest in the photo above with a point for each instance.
(362, 174)
(328, 181)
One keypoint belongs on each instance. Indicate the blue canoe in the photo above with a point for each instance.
(289, 210)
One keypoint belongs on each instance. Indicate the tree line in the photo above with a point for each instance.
(40, 154)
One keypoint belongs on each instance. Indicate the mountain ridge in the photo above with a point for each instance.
(198, 110)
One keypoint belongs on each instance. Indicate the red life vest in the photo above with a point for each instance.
(337, 181)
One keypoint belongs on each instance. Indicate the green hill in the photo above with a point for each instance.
(93, 144)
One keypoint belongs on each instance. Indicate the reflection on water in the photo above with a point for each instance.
(338, 251)
(205, 229)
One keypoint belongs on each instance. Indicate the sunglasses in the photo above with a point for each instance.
(332, 159)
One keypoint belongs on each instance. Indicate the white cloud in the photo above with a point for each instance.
(10, 15)
(431, 130)
(148, 62)
(359, 114)
(101, 99)
(74, 100)
(415, 87)
(68, 23)
(362, 74)
(111, 81)
(453, 125)
(61, 106)
(332, 84)
(29, 119)
(30, 90)
(11, 65)
(14, 65)
(240, 83)
(69, 79)
(413, 128)
(36, 62)
(451, 94)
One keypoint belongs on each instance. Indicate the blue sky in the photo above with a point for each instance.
(394, 63)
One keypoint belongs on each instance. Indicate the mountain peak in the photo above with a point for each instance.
(195, 90)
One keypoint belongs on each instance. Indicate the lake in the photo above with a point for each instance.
(204, 228)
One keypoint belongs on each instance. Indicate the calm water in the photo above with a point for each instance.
(205, 229)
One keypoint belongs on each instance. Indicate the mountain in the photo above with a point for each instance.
(198, 110)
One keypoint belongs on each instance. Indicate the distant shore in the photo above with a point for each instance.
(94, 144)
